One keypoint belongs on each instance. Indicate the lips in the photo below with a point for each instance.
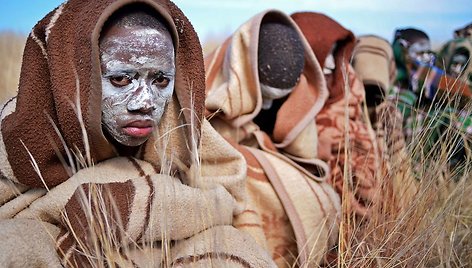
(139, 128)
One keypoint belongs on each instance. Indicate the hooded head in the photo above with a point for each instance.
(332, 44)
(239, 79)
(374, 64)
(454, 57)
(410, 46)
(281, 58)
(67, 78)
(138, 69)
(464, 32)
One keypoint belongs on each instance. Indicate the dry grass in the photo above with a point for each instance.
(432, 229)
(11, 50)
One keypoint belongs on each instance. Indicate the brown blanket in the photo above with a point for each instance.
(346, 139)
(172, 203)
(292, 210)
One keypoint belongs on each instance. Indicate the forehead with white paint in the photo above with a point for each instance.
(136, 47)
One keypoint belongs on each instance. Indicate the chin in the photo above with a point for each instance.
(133, 142)
(122, 138)
(128, 141)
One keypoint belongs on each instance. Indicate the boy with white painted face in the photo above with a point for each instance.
(138, 69)
(411, 47)
(118, 87)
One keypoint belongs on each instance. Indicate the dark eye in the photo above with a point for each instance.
(161, 81)
(120, 81)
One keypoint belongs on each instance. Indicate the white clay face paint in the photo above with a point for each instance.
(138, 72)
(458, 64)
(329, 65)
(421, 51)
(269, 94)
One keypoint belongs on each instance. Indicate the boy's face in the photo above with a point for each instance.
(138, 72)
(420, 51)
(458, 62)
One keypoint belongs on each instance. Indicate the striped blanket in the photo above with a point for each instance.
(292, 209)
(374, 63)
(346, 139)
(67, 198)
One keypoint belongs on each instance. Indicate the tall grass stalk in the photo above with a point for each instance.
(11, 51)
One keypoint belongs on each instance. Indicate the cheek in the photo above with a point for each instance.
(168, 91)
(163, 95)
(110, 113)
(161, 98)
(113, 104)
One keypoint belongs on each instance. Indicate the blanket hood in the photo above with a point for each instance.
(374, 63)
(323, 33)
(234, 93)
(60, 90)
(459, 46)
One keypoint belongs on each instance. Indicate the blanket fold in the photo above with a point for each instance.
(234, 97)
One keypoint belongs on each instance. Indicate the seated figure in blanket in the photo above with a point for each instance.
(105, 157)
(454, 57)
(346, 139)
(421, 85)
(264, 89)
(374, 64)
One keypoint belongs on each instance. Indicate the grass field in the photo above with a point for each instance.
(432, 228)
(11, 50)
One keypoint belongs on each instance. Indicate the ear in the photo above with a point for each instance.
(398, 49)
(403, 42)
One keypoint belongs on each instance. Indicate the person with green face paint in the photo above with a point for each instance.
(410, 46)
(420, 85)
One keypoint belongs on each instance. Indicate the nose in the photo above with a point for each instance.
(142, 101)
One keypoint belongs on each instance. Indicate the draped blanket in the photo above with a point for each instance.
(459, 45)
(65, 189)
(346, 139)
(432, 80)
(291, 211)
(374, 64)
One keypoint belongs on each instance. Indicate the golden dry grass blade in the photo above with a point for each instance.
(11, 51)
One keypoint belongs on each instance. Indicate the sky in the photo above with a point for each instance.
(218, 18)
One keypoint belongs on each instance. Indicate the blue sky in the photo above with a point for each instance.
(219, 18)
